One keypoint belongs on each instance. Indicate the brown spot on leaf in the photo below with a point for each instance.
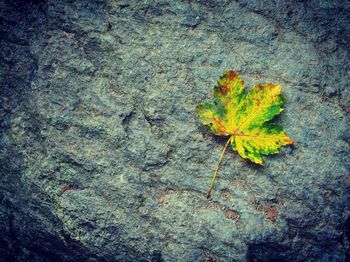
(231, 75)
(259, 86)
(223, 89)
(257, 101)
(288, 141)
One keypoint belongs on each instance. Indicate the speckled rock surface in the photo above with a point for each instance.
(102, 155)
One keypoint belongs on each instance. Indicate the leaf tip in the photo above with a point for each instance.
(231, 74)
(259, 162)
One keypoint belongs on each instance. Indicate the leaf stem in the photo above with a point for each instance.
(217, 168)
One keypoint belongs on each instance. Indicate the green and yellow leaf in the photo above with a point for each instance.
(245, 117)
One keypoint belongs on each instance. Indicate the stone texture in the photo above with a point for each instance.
(104, 159)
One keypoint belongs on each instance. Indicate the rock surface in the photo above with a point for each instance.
(102, 155)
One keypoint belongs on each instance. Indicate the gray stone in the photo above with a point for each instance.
(103, 158)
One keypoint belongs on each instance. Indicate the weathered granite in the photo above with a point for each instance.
(102, 155)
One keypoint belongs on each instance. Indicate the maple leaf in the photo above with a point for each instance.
(244, 117)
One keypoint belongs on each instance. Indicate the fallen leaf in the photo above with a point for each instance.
(244, 118)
